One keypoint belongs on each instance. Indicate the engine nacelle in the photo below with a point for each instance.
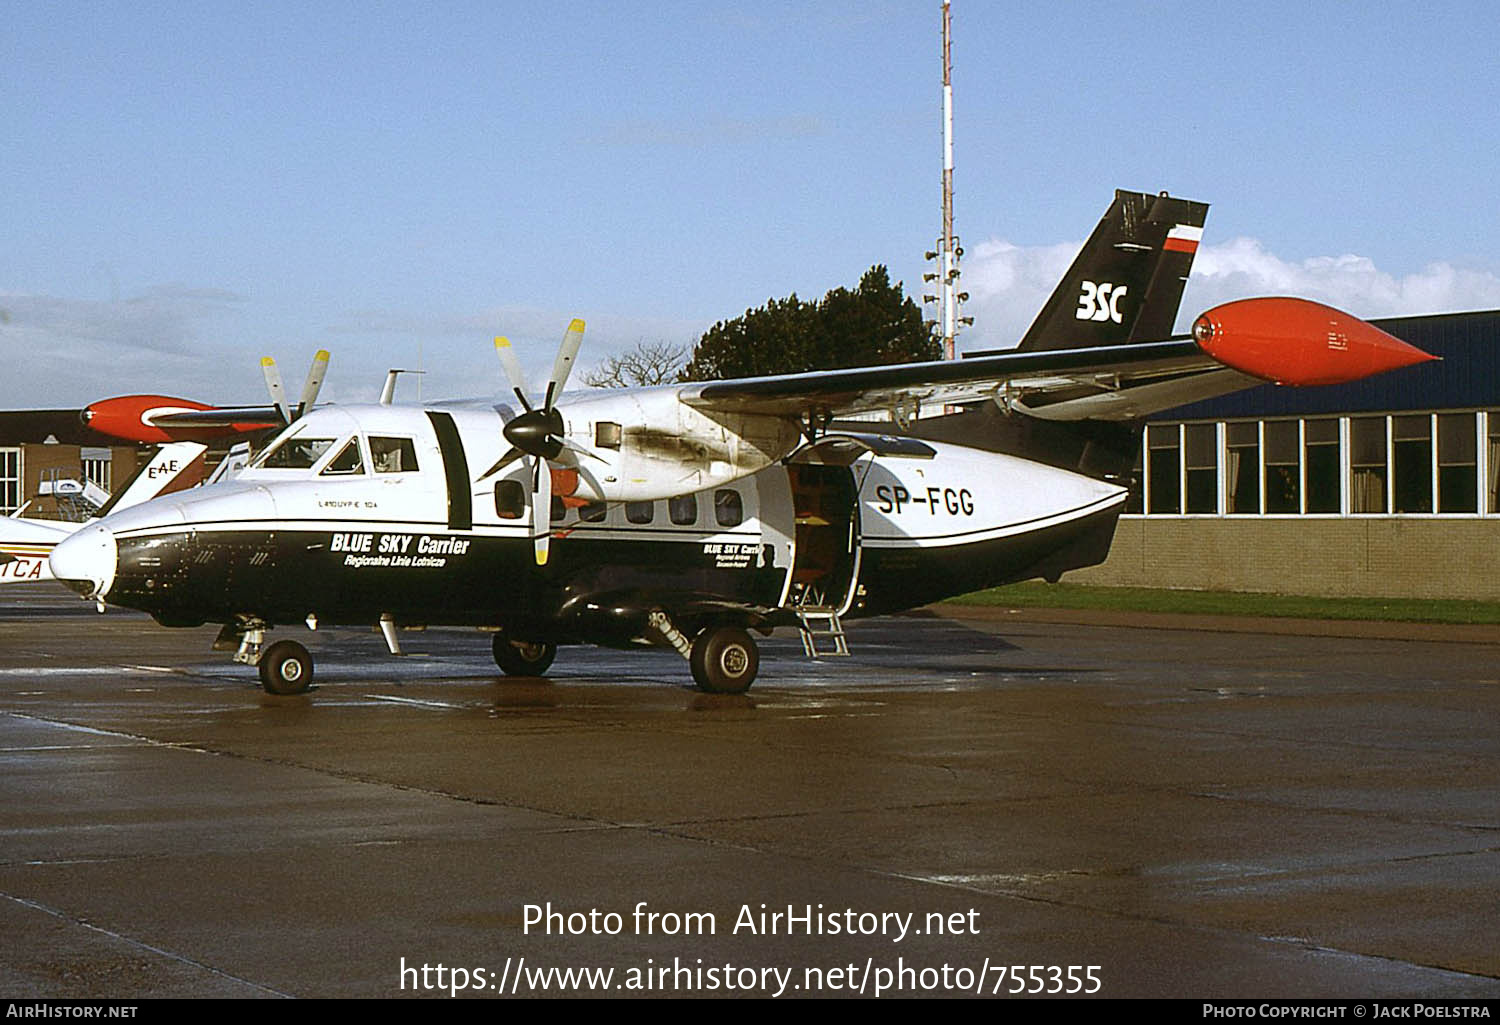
(641, 446)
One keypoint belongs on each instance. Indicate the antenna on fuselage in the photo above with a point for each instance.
(388, 393)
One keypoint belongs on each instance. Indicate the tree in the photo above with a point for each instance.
(873, 324)
(647, 364)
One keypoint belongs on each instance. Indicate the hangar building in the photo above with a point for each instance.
(1386, 487)
(38, 443)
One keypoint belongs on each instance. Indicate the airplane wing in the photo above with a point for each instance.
(161, 418)
(242, 417)
(1233, 346)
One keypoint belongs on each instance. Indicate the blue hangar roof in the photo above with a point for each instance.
(1468, 376)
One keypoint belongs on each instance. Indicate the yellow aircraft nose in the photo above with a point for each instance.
(86, 561)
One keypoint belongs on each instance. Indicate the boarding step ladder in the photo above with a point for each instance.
(820, 621)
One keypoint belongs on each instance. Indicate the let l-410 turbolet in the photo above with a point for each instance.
(688, 515)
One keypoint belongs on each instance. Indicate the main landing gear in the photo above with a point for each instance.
(523, 658)
(724, 660)
(286, 668)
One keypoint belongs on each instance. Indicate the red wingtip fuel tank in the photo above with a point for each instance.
(1299, 342)
(130, 416)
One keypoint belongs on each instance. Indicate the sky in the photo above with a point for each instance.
(190, 187)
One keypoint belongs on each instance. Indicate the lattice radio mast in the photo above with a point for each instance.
(948, 252)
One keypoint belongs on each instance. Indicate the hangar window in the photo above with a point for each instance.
(1403, 464)
(1367, 464)
(393, 455)
(1411, 438)
(1321, 457)
(1492, 452)
(1133, 503)
(639, 512)
(510, 499)
(729, 507)
(10, 480)
(1283, 469)
(1458, 463)
(683, 510)
(1201, 451)
(1164, 469)
(1242, 471)
(96, 463)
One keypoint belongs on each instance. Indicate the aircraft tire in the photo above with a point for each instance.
(724, 660)
(523, 658)
(286, 668)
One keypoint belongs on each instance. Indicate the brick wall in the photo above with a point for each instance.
(1374, 557)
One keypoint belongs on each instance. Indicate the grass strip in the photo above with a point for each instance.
(1037, 595)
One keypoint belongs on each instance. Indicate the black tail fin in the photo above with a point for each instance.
(1126, 283)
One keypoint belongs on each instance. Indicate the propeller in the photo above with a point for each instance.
(310, 387)
(536, 435)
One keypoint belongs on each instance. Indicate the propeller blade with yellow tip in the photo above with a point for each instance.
(314, 382)
(541, 509)
(513, 371)
(563, 365)
(273, 385)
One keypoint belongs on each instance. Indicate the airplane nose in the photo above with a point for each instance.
(86, 560)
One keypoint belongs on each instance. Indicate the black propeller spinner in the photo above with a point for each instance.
(537, 434)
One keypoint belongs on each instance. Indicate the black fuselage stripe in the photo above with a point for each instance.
(456, 469)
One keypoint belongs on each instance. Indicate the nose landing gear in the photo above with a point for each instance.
(285, 667)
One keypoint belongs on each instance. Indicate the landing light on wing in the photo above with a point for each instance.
(1299, 342)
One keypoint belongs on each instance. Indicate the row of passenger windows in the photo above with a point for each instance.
(511, 497)
(1410, 463)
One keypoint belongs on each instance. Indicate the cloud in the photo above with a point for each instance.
(1243, 267)
(1009, 283)
(454, 350)
(62, 351)
(165, 319)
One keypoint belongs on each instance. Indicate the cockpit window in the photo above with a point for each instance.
(347, 463)
(393, 455)
(296, 453)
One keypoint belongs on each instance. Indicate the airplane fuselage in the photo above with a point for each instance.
(352, 536)
(25, 545)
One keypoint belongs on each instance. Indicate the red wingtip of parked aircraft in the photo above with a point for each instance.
(131, 417)
(1299, 342)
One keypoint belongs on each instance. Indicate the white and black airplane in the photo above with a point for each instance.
(688, 515)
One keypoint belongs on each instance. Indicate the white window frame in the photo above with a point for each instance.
(17, 480)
